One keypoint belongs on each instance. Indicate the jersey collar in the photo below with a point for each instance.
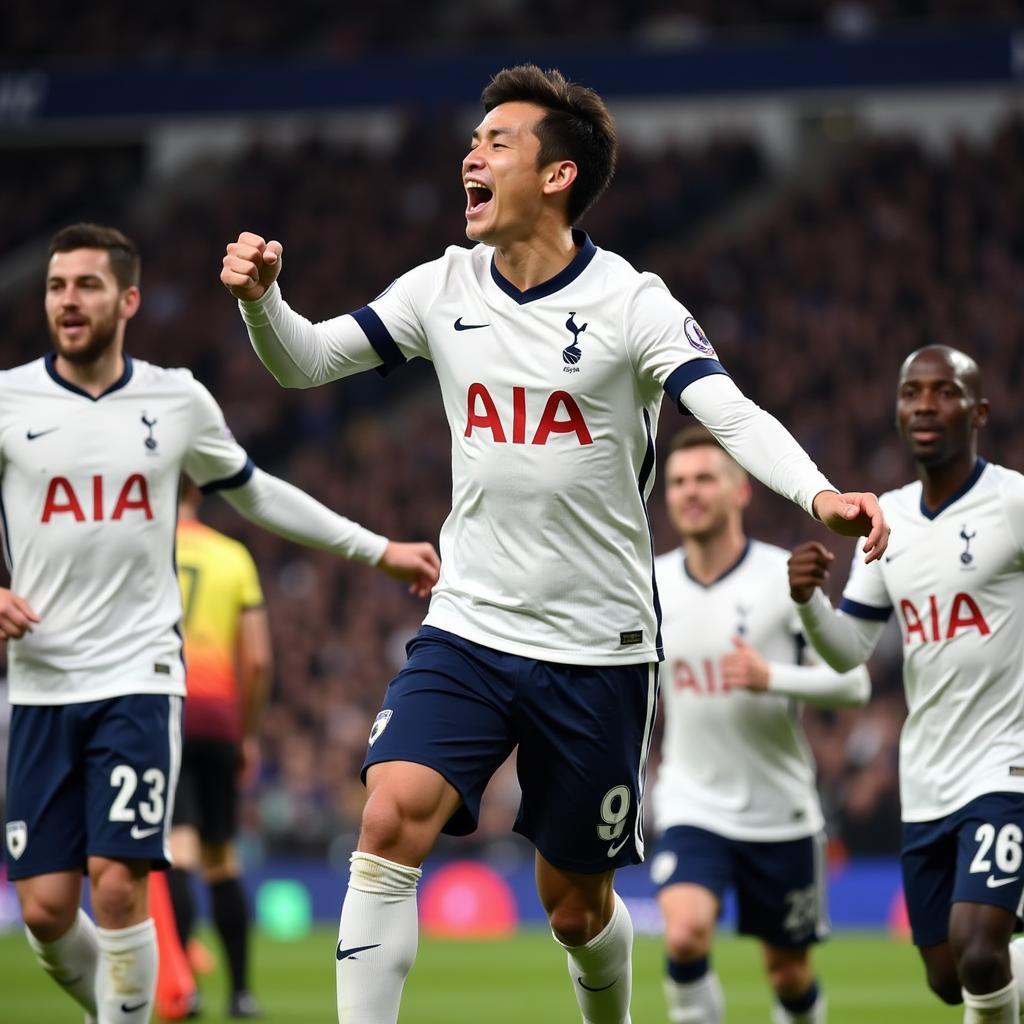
(721, 576)
(580, 262)
(50, 361)
(979, 468)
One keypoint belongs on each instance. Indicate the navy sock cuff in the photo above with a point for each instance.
(802, 1003)
(685, 971)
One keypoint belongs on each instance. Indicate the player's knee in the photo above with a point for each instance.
(946, 986)
(790, 979)
(385, 830)
(687, 940)
(981, 966)
(573, 924)
(47, 919)
(116, 894)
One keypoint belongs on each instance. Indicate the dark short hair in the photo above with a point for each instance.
(576, 126)
(124, 257)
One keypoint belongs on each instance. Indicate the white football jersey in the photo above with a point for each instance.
(733, 762)
(955, 578)
(552, 397)
(89, 491)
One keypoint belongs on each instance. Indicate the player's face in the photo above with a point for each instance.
(703, 491)
(937, 413)
(504, 186)
(85, 308)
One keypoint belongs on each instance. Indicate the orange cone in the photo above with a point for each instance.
(175, 986)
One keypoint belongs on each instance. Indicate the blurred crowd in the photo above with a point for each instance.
(812, 306)
(193, 31)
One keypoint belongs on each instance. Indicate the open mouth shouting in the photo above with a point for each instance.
(478, 198)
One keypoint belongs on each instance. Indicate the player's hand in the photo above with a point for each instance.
(418, 563)
(854, 514)
(744, 668)
(251, 266)
(16, 615)
(808, 568)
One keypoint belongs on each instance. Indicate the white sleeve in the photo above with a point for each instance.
(844, 641)
(755, 439)
(301, 354)
(213, 458)
(819, 684)
(283, 509)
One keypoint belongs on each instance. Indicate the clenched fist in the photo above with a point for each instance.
(251, 266)
(808, 568)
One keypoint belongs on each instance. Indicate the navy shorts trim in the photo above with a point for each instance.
(974, 855)
(91, 779)
(583, 734)
(780, 887)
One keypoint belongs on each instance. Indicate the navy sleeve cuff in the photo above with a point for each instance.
(683, 376)
(240, 478)
(380, 338)
(864, 611)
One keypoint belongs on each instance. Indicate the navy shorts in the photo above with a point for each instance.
(780, 886)
(91, 779)
(583, 733)
(974, 855)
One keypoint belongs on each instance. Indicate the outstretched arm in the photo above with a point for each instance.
(844, 641)
(763, 446)
(285, 510)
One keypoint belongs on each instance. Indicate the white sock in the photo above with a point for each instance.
(695, 1002)
(1002, 1007)
(602, 970)
(1017, 966)
(71, 960)
(377, 939)
(817, 1013)
(126, 976)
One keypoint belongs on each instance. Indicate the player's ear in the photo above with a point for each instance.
(559, 176)
(131, 299)
(981, 413)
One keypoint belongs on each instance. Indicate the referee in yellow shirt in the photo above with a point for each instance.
(228, 654)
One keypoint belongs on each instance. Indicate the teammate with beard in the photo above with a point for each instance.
(92, 444)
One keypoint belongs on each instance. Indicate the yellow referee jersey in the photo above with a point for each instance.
(218, 580)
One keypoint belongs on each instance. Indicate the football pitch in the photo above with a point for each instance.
(867, 976)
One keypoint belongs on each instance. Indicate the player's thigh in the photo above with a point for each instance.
(584, 735)
(781, 891)
(928, 861)
(46, 828)
(132, 761)
(990, 855)
(448, 710)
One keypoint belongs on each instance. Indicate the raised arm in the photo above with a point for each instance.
(299, 353)
(843, 641)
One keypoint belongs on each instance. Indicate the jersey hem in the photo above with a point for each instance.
(806, 830)
(934, 814)
(78, 697)
(635, 656)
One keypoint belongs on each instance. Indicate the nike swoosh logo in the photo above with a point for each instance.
(996, 883)
(31, 436)
(890, 558)
(603, 988)
(125, 1008)
(344, 954)
(612, 850)
(460, 326)
(144, 833)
